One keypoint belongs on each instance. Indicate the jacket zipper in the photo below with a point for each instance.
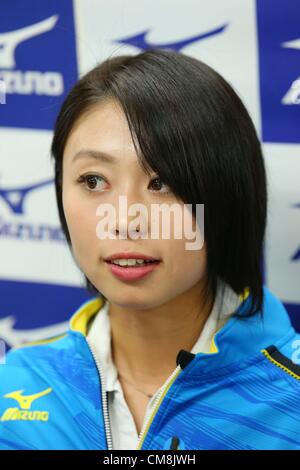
(157, 403)
(104, 397)
(148, 419)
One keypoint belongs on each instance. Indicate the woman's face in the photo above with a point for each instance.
(104, 129)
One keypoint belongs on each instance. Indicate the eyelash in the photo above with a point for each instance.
(83, 180)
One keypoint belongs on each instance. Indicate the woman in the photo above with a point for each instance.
(179, 348)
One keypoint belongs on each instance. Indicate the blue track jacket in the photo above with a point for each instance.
(243, 394)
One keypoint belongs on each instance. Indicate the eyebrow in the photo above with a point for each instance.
(96, 154)
(102, 157)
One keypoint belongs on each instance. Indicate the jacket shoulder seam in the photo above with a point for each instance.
(39, 342)
(282, 361)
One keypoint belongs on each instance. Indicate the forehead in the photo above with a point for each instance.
(102, 128)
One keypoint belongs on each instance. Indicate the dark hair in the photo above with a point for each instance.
(190, 126)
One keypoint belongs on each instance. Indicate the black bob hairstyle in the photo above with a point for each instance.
(190, 126)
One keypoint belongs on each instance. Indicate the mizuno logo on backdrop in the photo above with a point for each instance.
(9, 41)
(15, 197)
(296, 254)
(17, 228)
(292, 96)
(33, 67)
(140, 41)
(47, 83)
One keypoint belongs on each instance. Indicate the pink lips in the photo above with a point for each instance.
(131, 273)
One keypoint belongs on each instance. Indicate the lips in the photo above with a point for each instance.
(130, 255)
(132, 273)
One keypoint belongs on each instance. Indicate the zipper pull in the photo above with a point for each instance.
(184, 358)
(174, 443)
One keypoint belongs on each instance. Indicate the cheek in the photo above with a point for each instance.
(81, 221)
(186, 267)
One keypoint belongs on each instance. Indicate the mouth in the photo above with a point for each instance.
(131, 259)
(131, 269)
(137, 264)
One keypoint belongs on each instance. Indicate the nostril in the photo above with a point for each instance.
(174, 443)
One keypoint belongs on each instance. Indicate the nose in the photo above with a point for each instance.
(132, 217)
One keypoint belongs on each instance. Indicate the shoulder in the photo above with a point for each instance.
(22, 355)
(281, 349)
(285, 355)
(29, 367)
(56, 356)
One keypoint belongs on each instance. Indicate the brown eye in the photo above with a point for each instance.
(91, 181)
(157, 184)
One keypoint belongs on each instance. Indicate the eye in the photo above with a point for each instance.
(157, 183)
(90, 181)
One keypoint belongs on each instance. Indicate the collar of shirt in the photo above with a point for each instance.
(99, 332)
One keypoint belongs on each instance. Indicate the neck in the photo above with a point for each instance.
(145, 342)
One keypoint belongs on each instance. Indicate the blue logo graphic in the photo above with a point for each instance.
(279, 59)
(21, 306)
(296, 255)
(15, 197)
(37, 61)
(140, 41)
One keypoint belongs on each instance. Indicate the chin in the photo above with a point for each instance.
(130, 301)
